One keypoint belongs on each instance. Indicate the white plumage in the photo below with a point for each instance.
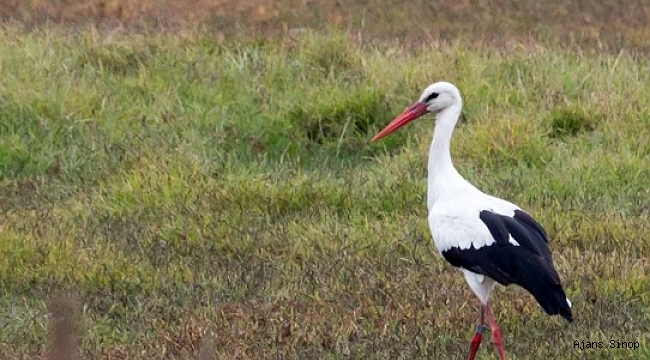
(491, 240)
(453, 221)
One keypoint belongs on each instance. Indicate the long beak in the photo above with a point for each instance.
(411, 113)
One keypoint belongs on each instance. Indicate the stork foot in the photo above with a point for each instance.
(478, 335)
(498, 342)
(476, 341)
(496, 334)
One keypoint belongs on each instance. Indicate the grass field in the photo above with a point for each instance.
(188, 195)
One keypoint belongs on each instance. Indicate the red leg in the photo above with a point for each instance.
(496, 334)
(478, 336)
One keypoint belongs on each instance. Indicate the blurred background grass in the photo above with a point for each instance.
(605, 24)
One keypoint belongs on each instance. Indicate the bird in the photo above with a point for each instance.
(489, 239)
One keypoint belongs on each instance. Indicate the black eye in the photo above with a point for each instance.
(431, 97)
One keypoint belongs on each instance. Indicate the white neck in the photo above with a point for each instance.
(442, 173)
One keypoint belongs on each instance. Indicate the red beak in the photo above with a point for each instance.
(411, 113)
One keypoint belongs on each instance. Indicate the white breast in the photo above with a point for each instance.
(455, 222)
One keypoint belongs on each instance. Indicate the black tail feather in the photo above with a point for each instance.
(554, 301)
(545, 286)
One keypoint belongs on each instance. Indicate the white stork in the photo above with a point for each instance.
(491, 240)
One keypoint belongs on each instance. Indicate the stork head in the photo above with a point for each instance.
(434, 99)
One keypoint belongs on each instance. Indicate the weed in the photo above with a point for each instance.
(64, 332)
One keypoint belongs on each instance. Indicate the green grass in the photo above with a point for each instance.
(188, 188)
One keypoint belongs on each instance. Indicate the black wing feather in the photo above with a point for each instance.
(528, 220)
(529, 264)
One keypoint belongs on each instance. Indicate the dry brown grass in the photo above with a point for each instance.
(599, 25)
